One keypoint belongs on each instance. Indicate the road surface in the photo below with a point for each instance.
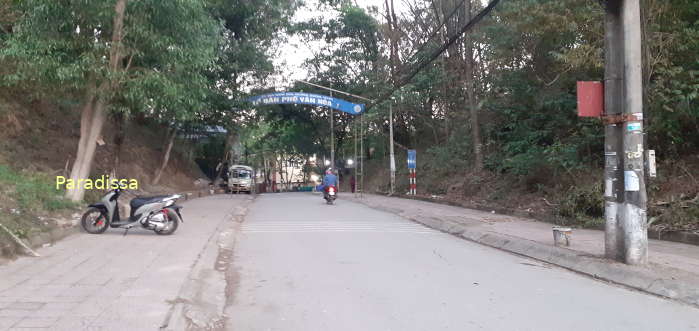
(303, 265)
(294, 263)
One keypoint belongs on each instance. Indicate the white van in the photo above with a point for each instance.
(241, 179)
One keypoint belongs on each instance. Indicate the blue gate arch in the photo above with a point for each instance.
(302, 98)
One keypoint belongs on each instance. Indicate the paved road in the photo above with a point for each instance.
(112, 282)
(302, 265)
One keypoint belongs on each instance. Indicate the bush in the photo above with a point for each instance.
(33, 192)
(583, 204)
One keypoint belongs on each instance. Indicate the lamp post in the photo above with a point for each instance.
(393, 156)
(332, 135)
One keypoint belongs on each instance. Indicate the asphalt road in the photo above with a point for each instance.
(294, 263)
(303, 265)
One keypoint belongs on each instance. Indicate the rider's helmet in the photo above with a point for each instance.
(329, 171)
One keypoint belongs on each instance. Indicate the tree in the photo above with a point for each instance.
(99, 51)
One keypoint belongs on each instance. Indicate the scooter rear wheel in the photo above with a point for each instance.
(172, 224)
(94, 221)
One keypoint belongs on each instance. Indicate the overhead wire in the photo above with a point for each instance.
(437, 52)
(435, 31)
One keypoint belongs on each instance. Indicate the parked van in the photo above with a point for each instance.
(241, 178)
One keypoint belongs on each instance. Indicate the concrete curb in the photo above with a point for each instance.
(204, 296)
(655, 279)
(675, 236)
(52, 236)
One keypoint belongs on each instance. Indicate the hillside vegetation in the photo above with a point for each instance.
(35, 147)
(106, 86)
(131, 89)
(494, 117)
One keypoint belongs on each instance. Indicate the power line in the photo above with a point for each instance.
(435, 31)
(422, 64)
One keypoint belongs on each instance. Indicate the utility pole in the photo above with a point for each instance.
(332, 136)
(635, 199)
(355, 130)
(362, 153)
(613, 107)
(626, 233)
(393, 156)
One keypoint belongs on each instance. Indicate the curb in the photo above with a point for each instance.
(661, 281)
(199, 304)
(52, 236)
(675, 236)
(38, 240)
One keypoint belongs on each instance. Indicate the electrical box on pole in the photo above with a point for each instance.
(590, 99)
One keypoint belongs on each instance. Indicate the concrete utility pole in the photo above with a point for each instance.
(355, 133)
(634, 207)
(362, 153)
(332, 136)
(393, 155)
(626, 236)
(613, 107)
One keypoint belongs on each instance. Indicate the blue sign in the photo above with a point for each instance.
(307, 99)
(412, 162)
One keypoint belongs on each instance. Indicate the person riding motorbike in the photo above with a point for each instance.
(330, 183)
(329, 179)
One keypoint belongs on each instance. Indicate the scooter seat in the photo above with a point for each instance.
(142, 200)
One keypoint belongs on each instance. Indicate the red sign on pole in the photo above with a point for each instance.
(590, 99)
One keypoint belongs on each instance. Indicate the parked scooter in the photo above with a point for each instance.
(330, 194)
(157, 213)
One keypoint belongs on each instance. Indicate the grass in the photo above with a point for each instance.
(33, 192)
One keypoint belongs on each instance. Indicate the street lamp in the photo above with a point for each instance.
(350, 162)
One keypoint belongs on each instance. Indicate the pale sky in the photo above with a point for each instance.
(294, 52)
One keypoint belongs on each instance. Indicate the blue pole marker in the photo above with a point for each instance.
(412, 159)
(301, 98)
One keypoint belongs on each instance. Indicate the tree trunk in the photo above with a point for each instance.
(94, 112)
(166, 156)
(394, 35)
(118, 142)
(87, 141)
(227, 149)
(471, 95)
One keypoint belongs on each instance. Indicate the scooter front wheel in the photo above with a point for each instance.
(94, 221)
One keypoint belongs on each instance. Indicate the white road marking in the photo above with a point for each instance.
(334, 226)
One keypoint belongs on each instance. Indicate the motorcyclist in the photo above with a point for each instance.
(330, 179)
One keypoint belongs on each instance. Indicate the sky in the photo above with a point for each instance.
(294, 52)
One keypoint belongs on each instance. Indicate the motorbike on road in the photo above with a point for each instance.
(330, 194)
(158, 213)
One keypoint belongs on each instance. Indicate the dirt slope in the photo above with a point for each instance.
(38, 141)
(42, 137)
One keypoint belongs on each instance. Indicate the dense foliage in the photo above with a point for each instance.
(526, 58)
(501, 99)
